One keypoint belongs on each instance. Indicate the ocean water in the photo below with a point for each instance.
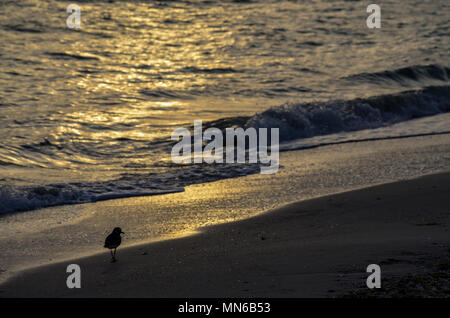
(86, 114)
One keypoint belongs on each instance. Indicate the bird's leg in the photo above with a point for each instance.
(114, 254)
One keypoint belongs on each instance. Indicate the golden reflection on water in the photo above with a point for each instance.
(135, 70)
(177, 56)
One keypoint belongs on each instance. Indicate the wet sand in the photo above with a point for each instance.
(61, 233)
(315, 248)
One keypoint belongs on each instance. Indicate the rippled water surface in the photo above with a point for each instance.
(82, 112)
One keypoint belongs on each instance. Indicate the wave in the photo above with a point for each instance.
(30, 28)
(304, 120)
(174, 179)
(165, 94)
(217, 70)
(405, 76)
(301, 125)
(66, 55)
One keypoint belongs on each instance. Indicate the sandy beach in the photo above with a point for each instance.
(316, 248)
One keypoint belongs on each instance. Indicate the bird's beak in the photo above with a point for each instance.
(122, 232)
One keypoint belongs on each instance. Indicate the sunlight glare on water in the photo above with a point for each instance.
(92, 104)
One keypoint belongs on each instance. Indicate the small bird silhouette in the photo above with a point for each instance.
(112, 241)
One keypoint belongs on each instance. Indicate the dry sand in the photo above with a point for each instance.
(315, 248)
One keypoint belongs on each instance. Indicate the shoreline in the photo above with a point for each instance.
(340, 138)
(287, 252)
(61, 233)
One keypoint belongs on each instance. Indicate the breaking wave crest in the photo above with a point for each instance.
(427, 74)
(304, 120)
(175, 178)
